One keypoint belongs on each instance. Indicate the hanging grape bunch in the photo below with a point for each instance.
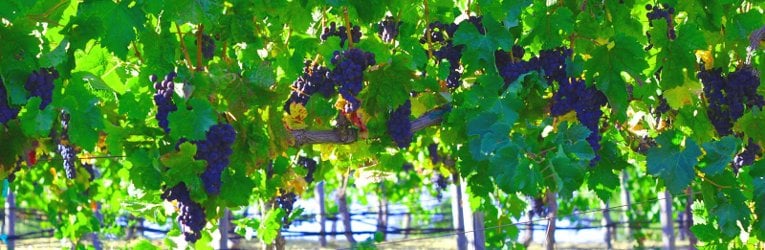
(7, 112)
(215, 150)
(341, 32)
(40, 84)
(191, 215)
(310, 165)
(286, 202)
(163, 98)
(65, 149)
(315, 79)
(399, 126)
(208, 46)
(348, 74)
(388, 29)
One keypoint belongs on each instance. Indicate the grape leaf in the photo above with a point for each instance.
(114, 23)
(182, 167)
(236, 188)
(751, 125)
(673, 163)
(388, 87)
(719, 154)
(143, 171)
(270, 226)
(191, 124)
(36, 122)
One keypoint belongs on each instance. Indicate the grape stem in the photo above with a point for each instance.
(137, 53)
(183, 48)
(712, 182)
(200, 30)
(350, 135)
(348, 30)
(427, 30)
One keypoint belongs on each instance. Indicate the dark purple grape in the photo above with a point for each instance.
(191, 215)
(315, 79)
(208, 47)
(65, 149)
(40, 84)
(574, 94)
(310, 165)
(388, 29)
(399, 126)
(286, 202)
(215, 150)
(729, 97)
(341, 32)
(163, 98)
(433, 153)
(349, 74)
(7, 112)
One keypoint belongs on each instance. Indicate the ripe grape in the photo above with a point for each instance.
(208, 47)
(441, 36)
(538, 207)
(728, 97)
(747, 157)
(662, 12)
(574, 94)
(287, 202)
(65, 149)
(163, 98)
(315, 79)
(440, 181)
(349, 74)
(91, 170)
(215, 149)
(191, 215)
(40, 84)
(433, 152)
(388, 29)
(341, 32)
(310, 165)
(7, 112)
(399, 126)
(407, 167)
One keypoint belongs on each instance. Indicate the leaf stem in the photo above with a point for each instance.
(137, 53)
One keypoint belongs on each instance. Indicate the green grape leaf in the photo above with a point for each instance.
(719, 154)
(36, 122)
(490, 130)
(236, 187)
(568, 173)
(192, 11)
(605, 67)
(705, 232)
(751, 125)
(182, 167)
(388, 87)
(673, 163)
(478, 47)
(503, 168)
(144, 171)
(270, 226)
(114, 23)
(191, 124)
(549, 29)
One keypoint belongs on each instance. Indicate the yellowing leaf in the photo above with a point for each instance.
(682, 95)
(569, 117)
(296, 117)
(706, 57)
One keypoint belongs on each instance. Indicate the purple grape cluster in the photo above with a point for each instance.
(315, 78)
(191, 215)
(208, 46)
(433, 153)
(388, 29)
(574, 94)
(286, 202)
(729, 96)
(538, 207)
(310, 165)
(551, 63)
(65, 149)
(215, 150)
(407, 167)
(92, 171)
(747, 157)
(441, 36)
(440, 180)
(399, 126)
(40, 84)
(7, 112)
(342, 33)
(349, 74)
(665, 12)
(163, 98)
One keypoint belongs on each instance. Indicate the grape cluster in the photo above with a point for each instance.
(662, 12)
(65, 149)
(538, 207)
(407, 167)
(315, 79)
(91, 170)
(399, 126)
(747, 157)
(310, 165)
(727, 97)
(7, 112)
(40, 84)
(440, 180)
(441, 34)
(388, 29)
(551, 63)
(215, 149)
(574, 94)
(287, 202)
(433, 153)
(349, 74)
(342, 33)
(208, 47)
(191, 215)
(163, 98)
